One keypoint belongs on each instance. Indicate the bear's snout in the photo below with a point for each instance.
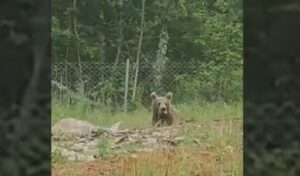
(163, 110)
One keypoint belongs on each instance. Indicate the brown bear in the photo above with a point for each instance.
(163, 113)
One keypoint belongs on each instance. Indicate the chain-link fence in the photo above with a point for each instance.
(103, 83)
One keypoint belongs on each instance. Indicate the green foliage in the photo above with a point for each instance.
(104, 147)
(206, 33)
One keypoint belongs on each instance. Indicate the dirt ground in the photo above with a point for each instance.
(201, 163)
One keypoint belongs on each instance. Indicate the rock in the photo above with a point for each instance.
(85, 146)
(114, 128)
(70, 155)
(72, 128)
(77, 147)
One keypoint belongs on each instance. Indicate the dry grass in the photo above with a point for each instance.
(168, 162)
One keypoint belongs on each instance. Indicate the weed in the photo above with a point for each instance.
(104, 147)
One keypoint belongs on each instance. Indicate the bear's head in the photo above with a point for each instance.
(161, 105)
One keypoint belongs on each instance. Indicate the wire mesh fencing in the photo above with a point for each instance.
(96, 83)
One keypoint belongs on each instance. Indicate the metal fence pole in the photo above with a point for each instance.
(126, 86)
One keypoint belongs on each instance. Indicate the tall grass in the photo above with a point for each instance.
(141, 117)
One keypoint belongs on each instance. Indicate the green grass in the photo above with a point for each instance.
(104, 147)
(211, 110)
(100, 116)
(141, 118)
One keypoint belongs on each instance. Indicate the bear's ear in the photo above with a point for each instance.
(153, 95)
(169, 95)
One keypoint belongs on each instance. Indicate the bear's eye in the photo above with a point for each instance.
(158, 104)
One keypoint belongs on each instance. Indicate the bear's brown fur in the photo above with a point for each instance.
(163, 113)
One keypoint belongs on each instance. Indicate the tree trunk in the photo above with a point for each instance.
(75, 32)
(161, 59)
(66, 52)
(102, 47)
(139, 50)
(119, 43)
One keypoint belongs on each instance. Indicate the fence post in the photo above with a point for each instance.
(126, 86)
